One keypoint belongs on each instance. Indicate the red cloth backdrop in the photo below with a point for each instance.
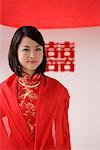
(50, 13)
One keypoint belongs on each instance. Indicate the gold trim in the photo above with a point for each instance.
(29, 86)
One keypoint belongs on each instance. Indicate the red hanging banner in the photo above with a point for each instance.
(50, 13)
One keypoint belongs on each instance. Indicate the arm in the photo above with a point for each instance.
(62, 126)
(65, 130)
(4, 139)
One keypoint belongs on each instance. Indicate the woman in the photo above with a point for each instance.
(33, 106)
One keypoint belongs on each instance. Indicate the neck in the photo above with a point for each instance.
(30, 73)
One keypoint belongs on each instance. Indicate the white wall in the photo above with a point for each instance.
(83, 84)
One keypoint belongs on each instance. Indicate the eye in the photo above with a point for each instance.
(26, 49)
(38, 49)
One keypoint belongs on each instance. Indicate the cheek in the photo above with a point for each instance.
(41, 55)
(22, 58)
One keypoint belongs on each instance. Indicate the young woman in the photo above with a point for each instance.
(33, 106)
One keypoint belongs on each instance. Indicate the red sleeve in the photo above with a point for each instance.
(66, 131)
(4, 140)
(62, 126)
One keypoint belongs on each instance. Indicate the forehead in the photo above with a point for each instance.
(26, 41)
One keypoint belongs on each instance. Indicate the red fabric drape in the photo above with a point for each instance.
(52, 126)
(50, 13)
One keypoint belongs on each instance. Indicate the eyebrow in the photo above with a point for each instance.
(29, 46)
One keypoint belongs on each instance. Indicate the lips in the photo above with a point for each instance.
(32, 61)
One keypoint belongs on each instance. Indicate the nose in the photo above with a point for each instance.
(32, 54)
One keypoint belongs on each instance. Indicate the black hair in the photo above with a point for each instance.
(34, 34)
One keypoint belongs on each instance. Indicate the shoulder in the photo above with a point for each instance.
(58, 91)
(7, 81)
(55, 85)
(54, 81)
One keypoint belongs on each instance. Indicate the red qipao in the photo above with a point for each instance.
(52, 127)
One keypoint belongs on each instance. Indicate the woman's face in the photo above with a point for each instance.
(30, 55)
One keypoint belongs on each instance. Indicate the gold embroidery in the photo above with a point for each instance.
(27, 97)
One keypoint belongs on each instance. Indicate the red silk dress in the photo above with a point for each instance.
(28, 88)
